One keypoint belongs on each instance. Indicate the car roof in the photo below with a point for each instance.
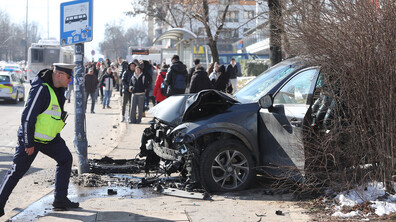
(5, 73)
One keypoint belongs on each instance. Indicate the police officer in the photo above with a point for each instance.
(42, 120)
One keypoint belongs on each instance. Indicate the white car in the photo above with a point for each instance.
(11, 87)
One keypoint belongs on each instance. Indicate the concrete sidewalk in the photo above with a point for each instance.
(146, 205)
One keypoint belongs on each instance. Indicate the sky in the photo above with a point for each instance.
(46, 13)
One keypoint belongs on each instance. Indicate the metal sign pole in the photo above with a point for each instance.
(80, 138)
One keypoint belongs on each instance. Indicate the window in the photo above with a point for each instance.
(231, 16)
(229, 33)
(248, 14)
(296, 91)
(4, 79)
(37, 55)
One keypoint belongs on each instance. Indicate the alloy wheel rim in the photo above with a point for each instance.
(230, 169)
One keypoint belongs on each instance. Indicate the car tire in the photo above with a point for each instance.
(16, 100)
(23, 98)
(226, 165)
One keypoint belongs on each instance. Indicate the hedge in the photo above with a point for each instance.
(253, 67)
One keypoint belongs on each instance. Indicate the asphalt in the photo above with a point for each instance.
(146, 205)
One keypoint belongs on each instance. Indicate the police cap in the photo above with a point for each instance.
(67, 68)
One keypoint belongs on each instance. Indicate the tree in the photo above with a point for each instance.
(117, 40)
(275, 18)
(212, 14)
(12, 38)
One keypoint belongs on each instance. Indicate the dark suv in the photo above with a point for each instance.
(220, 140)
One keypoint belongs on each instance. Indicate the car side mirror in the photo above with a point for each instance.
(266, 101)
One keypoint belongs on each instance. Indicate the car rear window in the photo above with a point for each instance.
(4, 79)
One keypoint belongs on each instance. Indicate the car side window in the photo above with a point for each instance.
(296, 91)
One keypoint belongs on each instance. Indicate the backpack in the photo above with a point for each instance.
(163, 88)
(180, 82)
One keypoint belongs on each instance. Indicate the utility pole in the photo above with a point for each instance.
(80, 136)
(26, 34)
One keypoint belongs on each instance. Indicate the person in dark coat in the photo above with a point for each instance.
(232, 70)
(90, 85)
(199, 80)
(137, 86)
(176, 78)
(222, 79)
(191, 72)
(126, 78)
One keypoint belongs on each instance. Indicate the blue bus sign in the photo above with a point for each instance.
(76, 22)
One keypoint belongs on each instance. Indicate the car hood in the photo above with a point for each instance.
(188, 107)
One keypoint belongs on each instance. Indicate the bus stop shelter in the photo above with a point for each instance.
(184, 45)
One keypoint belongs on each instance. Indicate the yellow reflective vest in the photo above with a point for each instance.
(49, 123)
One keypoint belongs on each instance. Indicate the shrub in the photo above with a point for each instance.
(253, 67)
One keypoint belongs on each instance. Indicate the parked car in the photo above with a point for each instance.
(221, 140)
(11, 87)
(13, 68)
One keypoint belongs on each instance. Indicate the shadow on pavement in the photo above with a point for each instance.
(10, 104)
(88, 215)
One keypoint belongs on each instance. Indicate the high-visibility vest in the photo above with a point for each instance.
(49, 123)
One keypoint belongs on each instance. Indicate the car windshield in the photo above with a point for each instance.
(260, 86)
(4, 78)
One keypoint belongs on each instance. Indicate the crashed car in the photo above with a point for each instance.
(221, 141)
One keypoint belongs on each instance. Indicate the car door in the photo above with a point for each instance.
(281, 126)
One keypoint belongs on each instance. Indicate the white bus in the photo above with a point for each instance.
(43, 54)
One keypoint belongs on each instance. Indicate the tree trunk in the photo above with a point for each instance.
(275, 14)
(213, 48)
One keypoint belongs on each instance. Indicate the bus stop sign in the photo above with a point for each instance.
(76, 22)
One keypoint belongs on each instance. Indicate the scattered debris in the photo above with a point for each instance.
(108, 165)
(185, 194)
(279, 212)
(111, 191)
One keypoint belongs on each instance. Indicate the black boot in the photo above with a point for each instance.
(64, 203)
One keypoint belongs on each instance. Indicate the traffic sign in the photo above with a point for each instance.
(76, 22)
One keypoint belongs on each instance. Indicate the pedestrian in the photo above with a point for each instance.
(160, 94)
(126, 99)
(102, 72)
(156, 70)
(222, 79)
(90, 86)
(42, 120)
(213, 74)
(199, 80)
(137, 86)
(176, 77)
(108, 83)
(70, 89)
(191, 72)
(210, 68)
(232, 70)
(147, 69)
(114, 70)
(121, 70)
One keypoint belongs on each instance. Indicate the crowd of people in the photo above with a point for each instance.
(141, 81)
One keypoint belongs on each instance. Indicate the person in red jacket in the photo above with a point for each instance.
(160, 79)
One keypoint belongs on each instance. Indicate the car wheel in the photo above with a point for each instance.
(226, 165)
(16, 99)
(23, 98)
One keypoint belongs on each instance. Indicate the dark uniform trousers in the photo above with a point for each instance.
(56, 149)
